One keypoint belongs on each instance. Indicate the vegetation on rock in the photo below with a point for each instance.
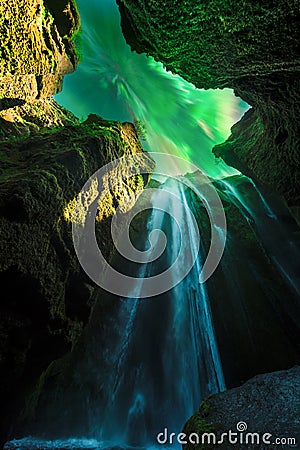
(250, 46)
(36, 49)
(46, 156)
(267, 403)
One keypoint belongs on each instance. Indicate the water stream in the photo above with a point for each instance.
(164, 357)
(167, 359)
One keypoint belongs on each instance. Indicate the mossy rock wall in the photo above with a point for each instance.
(249, 46)
(48, 297)
(37, 50)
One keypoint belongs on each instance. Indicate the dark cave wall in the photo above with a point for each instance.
(249, 46)
(47, 297)
(46, 156)
(255, 310)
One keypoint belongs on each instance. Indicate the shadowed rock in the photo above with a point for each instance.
(252, 47)
(267, 403)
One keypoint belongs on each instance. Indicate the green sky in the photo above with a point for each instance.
(119, 84)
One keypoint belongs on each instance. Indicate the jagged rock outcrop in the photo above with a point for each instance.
(37, 47)
(28, 119)
(266, 404)
(37, 50)
(252, 47)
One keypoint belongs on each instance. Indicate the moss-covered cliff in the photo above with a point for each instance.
(250, 46)
(46, 157)
(36, 49)
(48, 297)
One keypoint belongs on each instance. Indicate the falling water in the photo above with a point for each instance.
(161, 380)
(166, 358)
(268, 214)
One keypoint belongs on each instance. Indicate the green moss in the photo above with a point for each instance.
(29, 41)
(77, 40)
(205, 407)
(47, 18)
(140, 129)
(3, 156)
(214, 43)
(199, 424)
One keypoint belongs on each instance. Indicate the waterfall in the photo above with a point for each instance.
(148, 365)
(167, 358)
(268, 214)
(157, 358)
(159, 355)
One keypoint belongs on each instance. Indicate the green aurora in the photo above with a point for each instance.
(118, 84)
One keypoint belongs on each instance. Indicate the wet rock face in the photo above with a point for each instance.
(46, 156)
(267, 403)
(37, 49)
(48, 297)
(252, 47)
(264, 144)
